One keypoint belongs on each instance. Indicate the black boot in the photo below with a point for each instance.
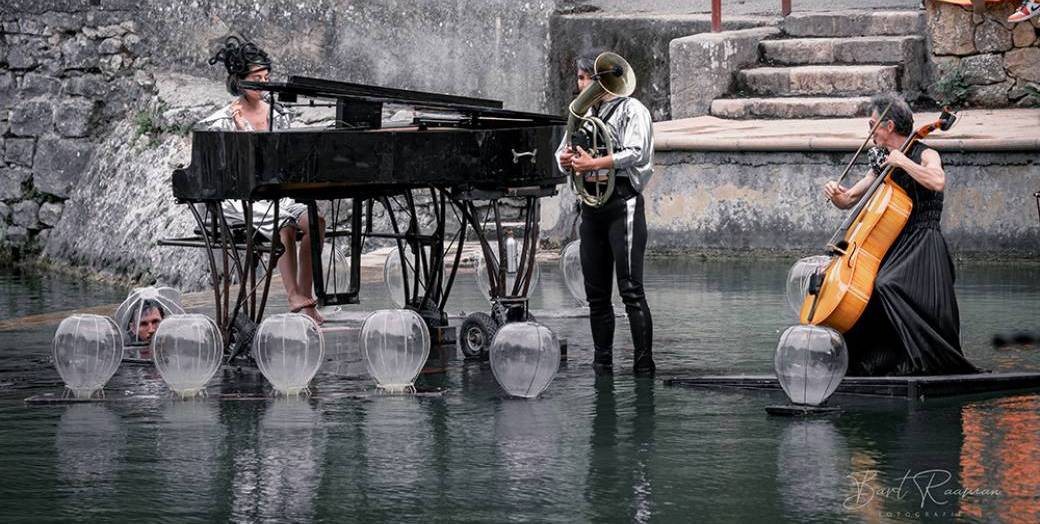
(642, 338)
(603, 361)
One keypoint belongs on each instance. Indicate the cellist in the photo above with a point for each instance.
(911, 325)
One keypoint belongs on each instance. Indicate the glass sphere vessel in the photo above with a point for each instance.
(143, 310)
(289, 348)
(798, 279)
(87, 351)
(810, 362)
(187, 352)
(395, 344)
(525, 357)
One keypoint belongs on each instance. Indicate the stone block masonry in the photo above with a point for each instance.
(65, 75)
(995, 60)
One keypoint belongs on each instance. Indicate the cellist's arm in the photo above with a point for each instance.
(845, 198)
(929, 173)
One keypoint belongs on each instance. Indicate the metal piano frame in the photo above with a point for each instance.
(236, 257)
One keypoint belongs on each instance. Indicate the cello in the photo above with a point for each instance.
(837, 296)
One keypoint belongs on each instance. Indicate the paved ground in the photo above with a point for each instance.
(739, 7)
(975, 130)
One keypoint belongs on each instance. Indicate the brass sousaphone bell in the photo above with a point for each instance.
(612, 76)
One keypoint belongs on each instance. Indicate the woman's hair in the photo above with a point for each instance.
(240, 58)
(900, 113)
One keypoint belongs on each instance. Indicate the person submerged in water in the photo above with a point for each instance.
(244, 61)
(911, 325)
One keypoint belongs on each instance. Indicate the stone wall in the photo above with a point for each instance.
(491, 49)
(81, 184)
(64, 76)
(996, 60)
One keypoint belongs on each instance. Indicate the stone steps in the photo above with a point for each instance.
(855, 50)
(815, 65)
(819, 80)
(794, 107)
(855, 23)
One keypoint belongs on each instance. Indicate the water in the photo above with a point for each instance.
(590, 449)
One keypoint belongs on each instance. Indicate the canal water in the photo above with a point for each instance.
(611, 449)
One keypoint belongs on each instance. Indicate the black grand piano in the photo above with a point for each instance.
(461, 156)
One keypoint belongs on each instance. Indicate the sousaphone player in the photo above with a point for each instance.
(609, 150)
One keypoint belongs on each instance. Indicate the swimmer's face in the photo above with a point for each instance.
(148, 324)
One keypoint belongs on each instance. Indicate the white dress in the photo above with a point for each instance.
(289, 211)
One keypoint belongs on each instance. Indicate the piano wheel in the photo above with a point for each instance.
(475, 335)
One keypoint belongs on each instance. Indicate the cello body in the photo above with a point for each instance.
(848, 281)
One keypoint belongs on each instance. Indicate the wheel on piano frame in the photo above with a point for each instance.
(475, 335)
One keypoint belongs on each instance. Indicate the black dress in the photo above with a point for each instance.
(911, 325)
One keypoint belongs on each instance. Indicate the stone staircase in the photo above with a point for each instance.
(829, 64)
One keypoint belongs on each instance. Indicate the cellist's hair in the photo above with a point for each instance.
(900, 113)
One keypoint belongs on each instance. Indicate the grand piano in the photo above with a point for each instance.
(463, 156)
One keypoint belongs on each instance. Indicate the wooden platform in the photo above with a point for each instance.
(917, 388)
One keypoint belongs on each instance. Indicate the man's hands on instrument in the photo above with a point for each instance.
(839, 196)
(582, 161)
(565, 158)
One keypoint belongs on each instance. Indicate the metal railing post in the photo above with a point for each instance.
(716, 16)
(785, 7)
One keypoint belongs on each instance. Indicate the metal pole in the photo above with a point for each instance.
(785, 7)
(716, 16)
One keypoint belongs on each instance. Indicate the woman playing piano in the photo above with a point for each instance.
(250, 112)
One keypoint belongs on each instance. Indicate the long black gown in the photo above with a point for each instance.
(911, 325)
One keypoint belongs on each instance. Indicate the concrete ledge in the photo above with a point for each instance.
(703, 67)
(980, 130)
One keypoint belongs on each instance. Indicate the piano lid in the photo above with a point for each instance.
(347, 91)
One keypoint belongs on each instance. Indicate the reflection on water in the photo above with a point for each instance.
(607, 448)
(1000, 451)
(812, 465)
(620, 480)
(90, 443)
(189, 442)
(275, 478)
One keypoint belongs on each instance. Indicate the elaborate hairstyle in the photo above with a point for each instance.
(240, 58)
(900, 113)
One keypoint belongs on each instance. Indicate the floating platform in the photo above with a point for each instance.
(915, 388)
(52, 399)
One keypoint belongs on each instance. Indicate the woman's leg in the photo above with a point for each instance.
(305, 270)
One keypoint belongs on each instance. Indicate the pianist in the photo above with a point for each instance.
(250, 112)
(613, 237)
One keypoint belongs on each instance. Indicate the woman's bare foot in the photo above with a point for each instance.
(312, 311)
(307, 306)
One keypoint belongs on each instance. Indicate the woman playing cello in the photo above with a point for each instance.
(911, 325)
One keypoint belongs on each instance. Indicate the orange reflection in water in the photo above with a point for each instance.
(1001, 451)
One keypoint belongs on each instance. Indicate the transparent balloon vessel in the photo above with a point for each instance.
(335, 265)
(144, 309)
(187, 351)
(571, 271)
(87, 351)
(393, 275)
(289, 349)
(525, 357)
(810, 362)
(798, 278)
(395, 344)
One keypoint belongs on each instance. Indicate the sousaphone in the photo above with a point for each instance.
(612, 76)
